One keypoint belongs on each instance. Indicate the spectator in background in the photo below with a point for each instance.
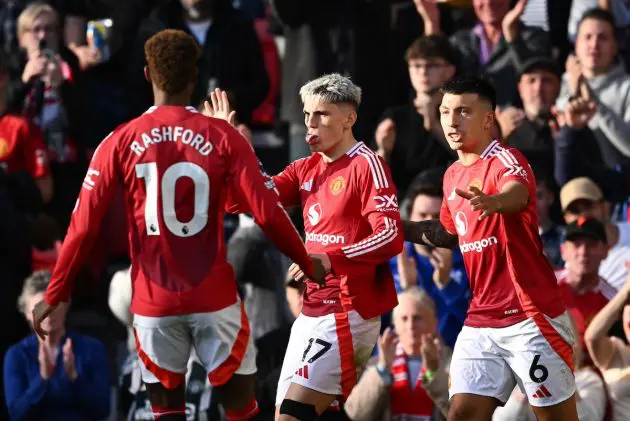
(21, 143)
(440, 272)
(593, 402)
(350, 37)
(497, 46)
(410, 137)
(577, 153)
(529, 129)
(585, 292)
(550, 232)
(582, 197)
(552, 17)
(64, 377)
(594, 75)
(409, 380)
(133, 403)
(48, 91)
(611, 354)
(231, 57)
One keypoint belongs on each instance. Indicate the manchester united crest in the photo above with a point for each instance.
(337, 185)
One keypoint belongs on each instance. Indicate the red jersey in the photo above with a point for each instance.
(584, 307)
(22, 147)
(350, 213)
(510, 277)
(175, 166)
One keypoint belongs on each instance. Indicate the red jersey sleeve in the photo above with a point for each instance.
(99, 185)
(511, 165)
(379, 206)
(445, 214)
(288, 185)
(35, 153)
(250, 190)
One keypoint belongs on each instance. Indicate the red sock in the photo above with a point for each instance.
(160, 413)
(247, 413)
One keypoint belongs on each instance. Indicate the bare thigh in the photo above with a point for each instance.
(563, 411)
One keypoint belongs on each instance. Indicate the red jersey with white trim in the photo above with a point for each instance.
(176, 167)
(510, 277)
(350, 213)
(22, 147)
(584, 307)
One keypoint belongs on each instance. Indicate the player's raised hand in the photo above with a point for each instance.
(40, 312)
(219, 107)
(479, 201)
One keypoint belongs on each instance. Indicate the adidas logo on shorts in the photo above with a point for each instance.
(542, 392)
(302, 372)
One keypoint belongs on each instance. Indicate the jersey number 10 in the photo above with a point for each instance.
(149, 172)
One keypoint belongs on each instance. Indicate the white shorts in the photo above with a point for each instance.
(536, 354)
(328, 353)
(221, 340)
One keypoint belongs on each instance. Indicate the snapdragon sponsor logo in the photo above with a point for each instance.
(478, 245)
(324, 239)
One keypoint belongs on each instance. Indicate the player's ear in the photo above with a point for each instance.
(147, 76)
(351, 118)
(489, 121)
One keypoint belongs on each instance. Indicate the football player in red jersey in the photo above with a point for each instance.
(177, 168)
(517, 329)
(352, 223)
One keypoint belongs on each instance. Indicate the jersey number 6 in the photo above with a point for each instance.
(535, 367)
(149, 172)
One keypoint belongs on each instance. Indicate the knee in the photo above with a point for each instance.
(462, 412)
(166, 398)
(237, 393)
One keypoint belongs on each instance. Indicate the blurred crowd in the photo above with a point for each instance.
(72, 70)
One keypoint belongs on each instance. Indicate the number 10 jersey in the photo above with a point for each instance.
(178, 170)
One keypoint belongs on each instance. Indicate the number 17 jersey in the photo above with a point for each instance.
(178, 170)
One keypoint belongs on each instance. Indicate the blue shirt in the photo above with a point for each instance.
(451, 303)
(30, 397)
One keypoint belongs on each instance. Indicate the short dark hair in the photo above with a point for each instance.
(431, 46)
(598, 14)
(471, 85)
(172, 57)
(421, 189)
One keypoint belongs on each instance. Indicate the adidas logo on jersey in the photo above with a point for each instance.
(478, 245)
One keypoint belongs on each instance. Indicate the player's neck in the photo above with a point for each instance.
(339, 149)
(161, 98)
(472, 155)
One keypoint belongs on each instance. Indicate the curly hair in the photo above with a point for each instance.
(172, 57)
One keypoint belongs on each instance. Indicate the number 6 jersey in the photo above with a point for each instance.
(178, 170)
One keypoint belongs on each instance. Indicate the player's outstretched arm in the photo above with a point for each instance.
(250, 186)
(99, 185)
(429, 233)
(513, 198)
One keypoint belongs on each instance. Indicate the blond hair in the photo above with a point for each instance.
(34, 284)
(31, 13)
(333, 89)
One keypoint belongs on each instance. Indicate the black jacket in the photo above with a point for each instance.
(231, 57)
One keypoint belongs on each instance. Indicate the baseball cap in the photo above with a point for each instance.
(579, 188)
(585, 227)
(540, 63)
